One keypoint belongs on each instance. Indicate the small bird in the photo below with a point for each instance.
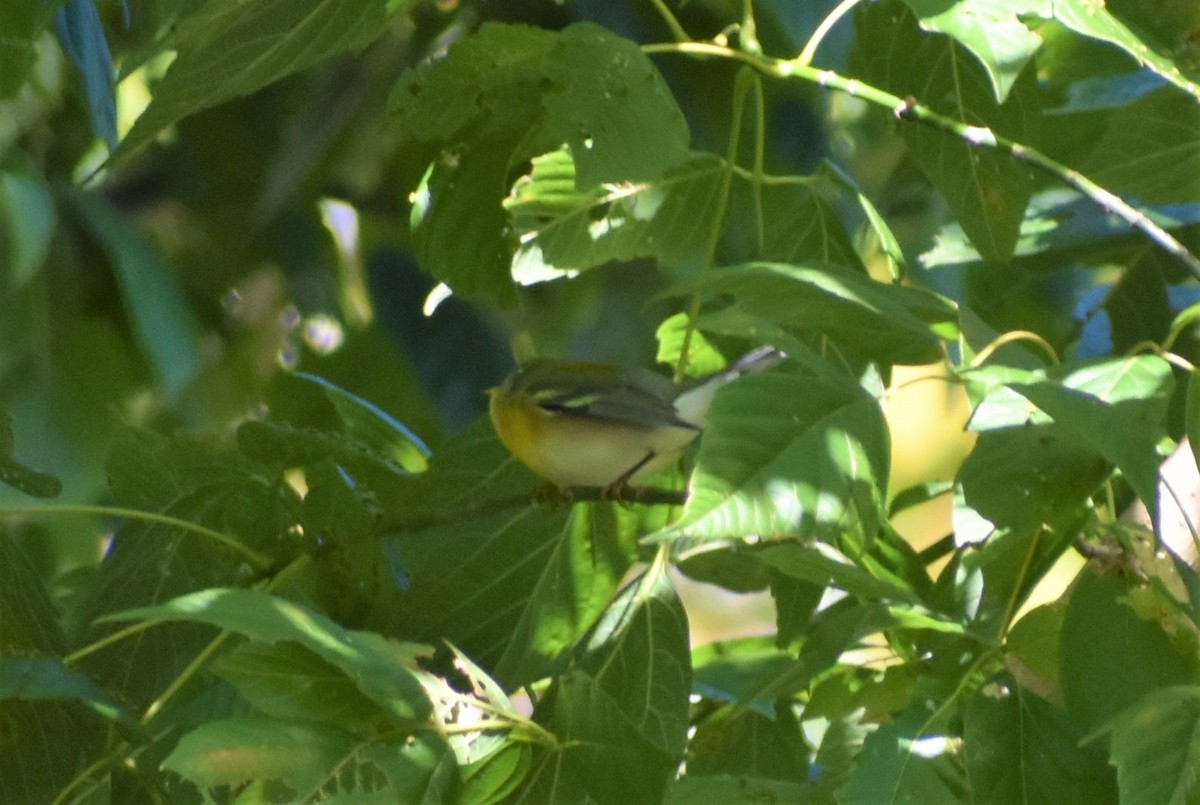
(598, 425)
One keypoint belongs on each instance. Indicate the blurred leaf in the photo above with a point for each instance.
(522, 93)
(374, 427)
(737, 790)
(237, 751)
(81, 34)
(886, 323)
(34, 679)
(1112, 657)
(1150, 151)
(992, 32)
(787, 456)
(1155, 746)
(564, 227)
(227, 49)
(1021, 749)
(161, 319)
(736, 670)
(28, 212)
(21, 24)
(987, 193)
(378, 667)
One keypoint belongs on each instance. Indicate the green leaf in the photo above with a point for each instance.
(520, 93)
(992, 32)
(32, 679)
(161, 319)
(495, 777)
(374, 427)
(703, 357)
(29, 623)
(47, 745)
(1156, 747)
(29, 216)
(787, 456)
(1150, 150)
(885, 323)
(1111, 656)
(738, 790)
(379, 667)
(1116, 408)
(233, 752)
(289, 681)
(987, 193)
(20, 26)
(227, 48)
(621, 714)
(577, 584)
(1060, 220)
(748, 743)
(888, 769)
(565, 227)
(800, 222)
(638, 655)
(821, 564)
(1099, 23)
(735, 670)
(1020, 748)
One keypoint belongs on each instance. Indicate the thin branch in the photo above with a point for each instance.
(910, 110)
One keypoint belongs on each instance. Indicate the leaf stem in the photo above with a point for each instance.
(741, 86)
(909, 110)
(677, 31)
(259, 560)
(818, 35)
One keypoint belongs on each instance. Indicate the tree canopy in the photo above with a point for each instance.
(259, 261)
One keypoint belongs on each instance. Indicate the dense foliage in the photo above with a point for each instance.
(282, 557)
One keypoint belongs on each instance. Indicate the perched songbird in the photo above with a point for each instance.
(598, 425)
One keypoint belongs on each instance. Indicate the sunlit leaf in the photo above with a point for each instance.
(787, 456)
(521, 93)
(162, 321)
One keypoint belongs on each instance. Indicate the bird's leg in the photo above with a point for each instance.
(616, 490)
